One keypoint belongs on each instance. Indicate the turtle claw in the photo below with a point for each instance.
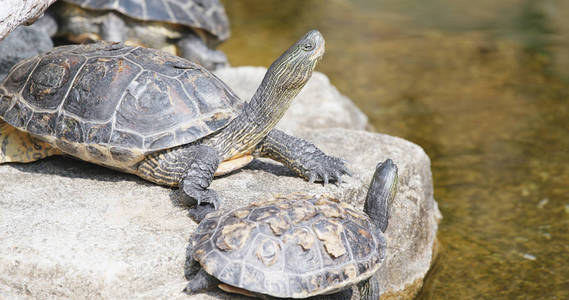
(208, 196)
(326, 169)
(338, 178)
(312, 178)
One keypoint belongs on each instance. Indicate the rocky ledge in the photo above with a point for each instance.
(75, 230)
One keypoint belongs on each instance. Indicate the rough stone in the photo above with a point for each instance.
(72, 229)
(17, 12)
(76, 230)
(318, 105)
(22, 43)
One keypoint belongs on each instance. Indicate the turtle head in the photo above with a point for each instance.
(282, 82)
(294, 67)
(381, 192)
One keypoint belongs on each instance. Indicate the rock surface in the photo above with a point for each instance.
(17, 12)
(76, 230)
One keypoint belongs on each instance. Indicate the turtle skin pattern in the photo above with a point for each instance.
(112, 104)
(208, 15)
(297, 246)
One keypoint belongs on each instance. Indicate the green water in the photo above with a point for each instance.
(483, 87)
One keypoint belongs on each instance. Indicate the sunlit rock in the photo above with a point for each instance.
(76, 230)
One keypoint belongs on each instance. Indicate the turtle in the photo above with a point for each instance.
(156, 115)
(189, 28)
(294, 246)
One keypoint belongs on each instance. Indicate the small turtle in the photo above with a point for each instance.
(295, 246)
(189, 28)
(156, 115)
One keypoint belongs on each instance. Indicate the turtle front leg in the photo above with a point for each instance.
(302, 157)
(189, 167)
(194, 49)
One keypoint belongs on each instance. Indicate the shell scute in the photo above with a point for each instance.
(18, 76)
(180, 15)
(121, 154)
(99, 133)
(133, 7)
(67, 147)
(234, 236)
(279, 224)
(50, 81)
(96, 153)
(208, 225)
(6, 102)
(155, 10)
(160, 141)
(330, 234)
(69, 129)
(266, 254)
(99, 87)
(231, 273)
(157, 98)
(126, 139)
(360, 239)
(18, 115)
(301, 211)
(162, 62)
(42, 123)
(110, 49)
(299, 260)
(214, 262)
(207, 94)
(263, 213)
(253, 279)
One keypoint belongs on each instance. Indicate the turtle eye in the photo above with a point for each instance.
(307, 46)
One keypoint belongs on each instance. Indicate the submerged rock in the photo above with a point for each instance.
(77, 230)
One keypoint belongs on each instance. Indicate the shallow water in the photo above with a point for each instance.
(483, 88)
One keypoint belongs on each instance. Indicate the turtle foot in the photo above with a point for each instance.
(206, 196)
(326, 169)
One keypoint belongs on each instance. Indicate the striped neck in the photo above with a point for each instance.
(257, 119)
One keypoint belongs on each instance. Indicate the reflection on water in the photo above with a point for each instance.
(482, 86)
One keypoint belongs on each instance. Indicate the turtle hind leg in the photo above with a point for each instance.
(19, 146)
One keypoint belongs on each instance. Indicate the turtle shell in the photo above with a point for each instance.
(208, 15)
(112, 104)
(296, 246)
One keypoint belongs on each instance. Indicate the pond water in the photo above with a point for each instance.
(483, 87)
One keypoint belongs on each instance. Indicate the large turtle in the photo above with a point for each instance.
(156, 115)
(189, 28)
(294, 246)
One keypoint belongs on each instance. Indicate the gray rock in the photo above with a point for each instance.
(72, 229)
(318, 105)
(17, 12)
(25, 42)
(76, 230)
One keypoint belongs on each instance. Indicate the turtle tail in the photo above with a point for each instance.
(19, 146)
